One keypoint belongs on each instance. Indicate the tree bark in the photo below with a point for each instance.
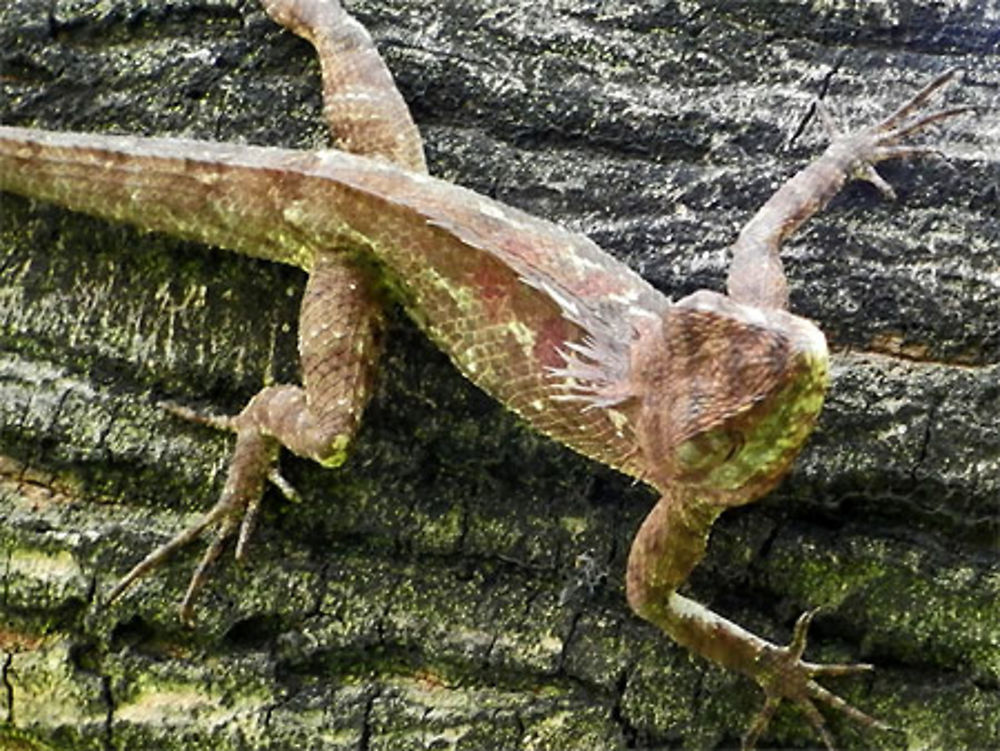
(459, 582)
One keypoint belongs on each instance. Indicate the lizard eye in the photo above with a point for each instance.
(705, 452)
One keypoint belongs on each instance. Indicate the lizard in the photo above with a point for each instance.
(707, 399)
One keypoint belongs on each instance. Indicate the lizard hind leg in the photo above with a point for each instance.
(363, 108)
(339, 336)
(339, 327)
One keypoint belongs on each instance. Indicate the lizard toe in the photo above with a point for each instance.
(252, 464)
(785, 676)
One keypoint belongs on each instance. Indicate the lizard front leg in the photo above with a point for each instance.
(728, 399)
(669, 544)
(340, 317)
(756, 276)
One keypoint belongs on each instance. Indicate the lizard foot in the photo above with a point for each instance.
(783, 674)
(252, 463)
(884, 140)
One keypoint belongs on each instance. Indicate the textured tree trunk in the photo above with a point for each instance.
(459, 582)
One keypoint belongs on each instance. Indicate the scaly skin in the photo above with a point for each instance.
(708, 399)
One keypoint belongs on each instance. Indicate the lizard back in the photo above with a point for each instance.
(524, 308)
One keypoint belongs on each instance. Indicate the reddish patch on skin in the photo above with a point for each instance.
(550, 336)
(492, 285)
(512, 243)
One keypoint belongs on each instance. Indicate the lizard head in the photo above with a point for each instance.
(728, 395)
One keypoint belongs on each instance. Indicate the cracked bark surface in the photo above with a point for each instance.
(458, 584)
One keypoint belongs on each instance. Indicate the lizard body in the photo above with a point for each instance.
(708, 399)
(511, 298)
(494, 287)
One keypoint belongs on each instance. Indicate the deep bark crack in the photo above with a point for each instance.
(629, 732)
(109, 700)
(8, 688)
(364, 743)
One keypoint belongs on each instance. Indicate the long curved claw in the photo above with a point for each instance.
(882, 141)
(918, 100)
(895, 127)
(760, 723)
(200, 575)
(218, 422)
(800, 634)
(901, 132)
(167, 549)
(833, 700)
(816, 720)
(252, 464)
